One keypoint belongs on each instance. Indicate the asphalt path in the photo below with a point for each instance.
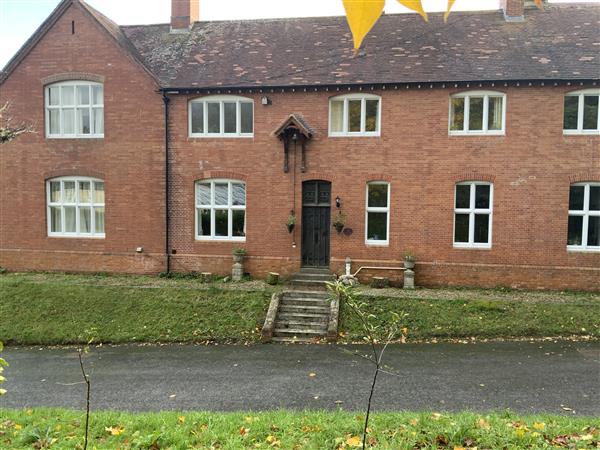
(527, 377)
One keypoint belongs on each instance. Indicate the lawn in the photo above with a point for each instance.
(294, 430)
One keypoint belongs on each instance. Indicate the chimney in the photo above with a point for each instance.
(183, 15)
(513, 10)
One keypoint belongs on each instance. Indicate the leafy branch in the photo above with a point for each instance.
(3, 364)
(9, 131)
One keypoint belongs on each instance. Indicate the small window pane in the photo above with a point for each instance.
(476, 113)
(482, 196)
(99, 192)
(204, 222)
(69, 192)
(482, 227)
(84, 192)
(54, 119)
(376, 226)
(337, 116)
(576, 197)
(372, 109)
(68, 121)
(203, 194)
(99, 220)
(590, 112)
(571, 112)
(461, 228)
(354, 115)
(214, 117)
(221, 222)
(247, 117)
(197, 117)
(463, 196)
(55, 191)
(230, 113)
(494, 113)
(98, 120)
(55, 219)
(238, 194)
(98, 95)
(83, 95)
(239, 223)
(85, 220)
(594, 198)
(54, 98)
(83, 121)
(378, 195)
(221, 194)
(68, 95)
(593, 231)
(70, 219)
(457, 114)
(575, 230)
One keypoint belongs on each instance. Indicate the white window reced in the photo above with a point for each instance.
(221, 116)
(581, 114)
(221, 210)
(477, 112)
(473, 215)
(377, 220)
(74, 109)
(75, 207)
(584, 217)
(355, 115)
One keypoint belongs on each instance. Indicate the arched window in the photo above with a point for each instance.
(221, 210)
(75, 207)
(221, 116)
(74, 109)
(355, 115)
(581, 112)
(477, 112)
(584, 217)
(473, 214)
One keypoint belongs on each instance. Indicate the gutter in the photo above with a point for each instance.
(166, 101)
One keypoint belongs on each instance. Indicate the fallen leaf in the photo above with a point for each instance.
(181, 419)
(354, 441)
(312, 374)
(114, 431)
(244, 431)
(539, 426)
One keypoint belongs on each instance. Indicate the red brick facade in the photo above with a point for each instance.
(531, 167)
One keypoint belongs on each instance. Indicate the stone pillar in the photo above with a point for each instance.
(237, 271)
(409, 279)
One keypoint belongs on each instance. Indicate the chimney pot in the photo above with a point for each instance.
(183, 15)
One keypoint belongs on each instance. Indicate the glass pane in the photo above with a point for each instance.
(238, 195)
(463, 196)
(457, 114)
(337, 116)
(461, 228)
(68, 95)
(221, 194)
(221, 222)
(98, 120)
(593, 231)
(99, 192)
(476, 113)
(55, 191)
(590, 112)
(55, 219)
(378, 195)
(247, 117)
(99, 220)
(354, 115)
(594, 198)
(239, 223)
(372, 108)
(482, 228)
(54, 118)
(570, 114)
(85, 220)
(84, 192)
(494, 113)
(204, 222)
(69, 192)
(54, 98)
(230, 117)
(214, 117)
(98, 95)
(70, 220)
(83, 121)
(83, 95)
(197, 117)
(576, 196)
(377, 226)
(68, 121)
(203, 194)
(575, 230)
(482, 196)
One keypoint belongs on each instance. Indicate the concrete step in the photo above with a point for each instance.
(308, 284)
(304, 302)
(297, 340)
(299, 324)
(300, 333)
(324, 310)
(309, 317)
(306, 294)
(317, 270)
(313, 276)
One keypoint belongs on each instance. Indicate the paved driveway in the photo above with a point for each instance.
(525, 377)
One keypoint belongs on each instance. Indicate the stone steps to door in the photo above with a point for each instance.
(300, 316)
(304, 302)
(304, 309)
(300, 324)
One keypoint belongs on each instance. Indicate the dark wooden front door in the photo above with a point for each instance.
(316, 213)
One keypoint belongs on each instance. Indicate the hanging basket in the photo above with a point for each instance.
(290, 227)
(338, 227)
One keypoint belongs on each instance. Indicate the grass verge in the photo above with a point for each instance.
(61, 429)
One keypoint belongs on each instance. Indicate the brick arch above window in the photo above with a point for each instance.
(590, 175)
(473, 175)
(220, 174)
(378, 177)
(73, 76)
(318, 176)
(74, 172)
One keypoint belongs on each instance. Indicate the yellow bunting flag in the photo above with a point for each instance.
(361, 16)
(415, 5)
(447, 13)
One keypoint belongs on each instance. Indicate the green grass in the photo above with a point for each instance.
(62, 429)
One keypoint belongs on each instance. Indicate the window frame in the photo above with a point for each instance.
(363, 114)
(485, 117)
(378, 209)
(580, 108)
(472, 211)
(212, 207)
(221, 99)
(77, 204)
(91, 107)
(586, 214)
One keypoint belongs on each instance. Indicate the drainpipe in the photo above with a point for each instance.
(166, 101)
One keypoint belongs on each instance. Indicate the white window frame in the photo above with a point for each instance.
(377, 209)
(74, 107)
(363, 112)
(221, 99)
(586, 214)
(472, 211)
(212, 207)
(484, 131)
(77, 204)
(580, 95)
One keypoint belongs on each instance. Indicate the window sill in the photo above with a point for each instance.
(353, 135)
(572, 249)
(220, 136)
(581, 133)
(82, 136)
(77, 236)
(377, 243)
(476, 133)
(472, 246)
(220, 239)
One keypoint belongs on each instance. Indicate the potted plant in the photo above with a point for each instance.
(238, 254)
(291, 222)
(339, 221)
(409, 260)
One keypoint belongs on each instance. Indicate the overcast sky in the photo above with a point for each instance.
(20, 18)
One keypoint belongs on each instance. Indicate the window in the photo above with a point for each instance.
(221, 116)
(473, 215)
(581, 112)
(75, 207)
(584, 217)
(477, 112)
(355, 115)
(378, 213)
(75, 109)
(221, 210)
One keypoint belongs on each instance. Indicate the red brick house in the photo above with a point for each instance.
(473, 144)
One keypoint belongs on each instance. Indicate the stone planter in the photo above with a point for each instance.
(409, 264)
(237, 270)
(238, 258)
